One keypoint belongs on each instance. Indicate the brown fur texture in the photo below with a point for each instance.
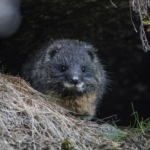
(84, 105)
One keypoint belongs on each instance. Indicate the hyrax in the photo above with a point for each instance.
(68, 70)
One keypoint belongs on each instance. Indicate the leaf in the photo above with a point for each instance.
(146, 22)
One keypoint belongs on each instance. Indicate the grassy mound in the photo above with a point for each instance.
(30, 122)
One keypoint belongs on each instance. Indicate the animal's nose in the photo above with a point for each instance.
(75, 80)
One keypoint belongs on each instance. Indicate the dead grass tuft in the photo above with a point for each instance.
(28, 121)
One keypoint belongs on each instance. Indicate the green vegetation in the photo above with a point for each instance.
(116, 134)
(139, 127)
(4, 85)
(66, 145)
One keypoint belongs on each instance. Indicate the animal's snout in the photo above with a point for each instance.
(75, 80)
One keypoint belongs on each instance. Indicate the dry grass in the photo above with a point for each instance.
(141, 7)
(28, 121)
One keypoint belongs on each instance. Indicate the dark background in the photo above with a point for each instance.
(108, 28)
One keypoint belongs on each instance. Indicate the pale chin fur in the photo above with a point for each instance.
(78, 86)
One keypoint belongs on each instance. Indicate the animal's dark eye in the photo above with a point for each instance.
(83, 69)
(63, 68)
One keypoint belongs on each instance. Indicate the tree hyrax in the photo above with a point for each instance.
(68, 70)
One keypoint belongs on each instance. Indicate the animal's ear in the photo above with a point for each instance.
(91, 51)
(53, 49)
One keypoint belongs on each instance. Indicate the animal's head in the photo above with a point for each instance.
(73, 66)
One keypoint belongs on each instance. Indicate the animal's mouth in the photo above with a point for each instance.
(78, 87)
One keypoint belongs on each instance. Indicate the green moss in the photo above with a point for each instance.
(66, 145)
